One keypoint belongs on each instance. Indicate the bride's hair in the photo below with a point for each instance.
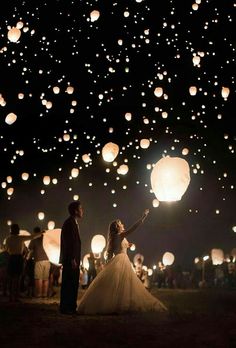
(112, 231)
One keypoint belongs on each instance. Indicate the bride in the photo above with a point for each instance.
(117, 289)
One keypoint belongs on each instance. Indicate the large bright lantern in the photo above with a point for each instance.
(144, 143)
(170, 178)
(94, 15)
(168, 259)
(14, 34)
(51, 244)
(74, 172)
(10, 118)
(217, 256)
(98, 243)
(110, 152)
(46, 180)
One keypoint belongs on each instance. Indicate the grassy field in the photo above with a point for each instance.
(205, 318)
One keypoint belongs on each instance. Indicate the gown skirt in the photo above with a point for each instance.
(117, 289)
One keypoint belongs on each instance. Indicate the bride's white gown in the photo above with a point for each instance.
(117, 289)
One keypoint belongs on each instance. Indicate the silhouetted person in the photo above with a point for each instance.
(70, 255)
(92, 269)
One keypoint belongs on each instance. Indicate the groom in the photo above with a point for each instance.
(70, 254)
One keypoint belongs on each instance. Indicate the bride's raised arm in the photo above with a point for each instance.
(137, 224)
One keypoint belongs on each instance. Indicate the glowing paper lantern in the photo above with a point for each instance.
(14, 34)
(196, 60)
(110, 152)
(217, 256)
(128, 116)
(234, 228)
(51, 225)
(9, 179)
(137, 257)
(193, 90)
(123, 169)
(98, 243)
(168, 259)
(144, 143)
(46, 180)
(158, 92)
(10, 191)
(225, 92)
(94, 15)
(86, 158)
(10, 118)
(170, 178)
(70, 90)
(185, 151)
(51, 244)
(133, 247)
(155, 203)
(25, 176)
(56, 90)
(85, 261)
(74, 172)
(25, 233)
(41, 215)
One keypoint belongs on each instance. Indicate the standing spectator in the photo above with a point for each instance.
(4, 257)
(91, 269)
(139, 268)
(70, 255)
(15, 247)
(41, 265)
(231, 272)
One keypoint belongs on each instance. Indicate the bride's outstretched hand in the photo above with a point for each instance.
(145, 214)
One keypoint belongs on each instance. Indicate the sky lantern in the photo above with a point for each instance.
(234, 228)
(123, 169)
(155, 203)
(14, 34)
(110, 152)
(70, 90)
(20, 95)
(128, 116)
(41, 215)
(46, 180)
(170, 178)
(158, 92)
(196, 60)
(217, 256)
(85, 261)
(10, 118)
(25, 233)
(137, 257)
(86, 158)
(168, 259)
(133, 247)
(98, 243)
(25, 176)
(51, 225)
(144, 143)
(10, 191)
(193, 90)
(94, 15)
(56, 90)
(51, 244)
(9, 179)
(66, 137)
(48, 105)
(74, 172)
(185, 151)
(225, 92)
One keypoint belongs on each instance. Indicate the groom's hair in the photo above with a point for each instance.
(73, 206)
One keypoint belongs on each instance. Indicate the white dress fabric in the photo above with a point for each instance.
(117, 289)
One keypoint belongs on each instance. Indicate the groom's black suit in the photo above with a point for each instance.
(70, 250)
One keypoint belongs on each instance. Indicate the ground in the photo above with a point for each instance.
(195, 318)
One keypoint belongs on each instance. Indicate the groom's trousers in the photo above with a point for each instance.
(69, 288)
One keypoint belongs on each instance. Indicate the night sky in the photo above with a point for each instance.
(114, 64)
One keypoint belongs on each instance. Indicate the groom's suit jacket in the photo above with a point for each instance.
(70, 242)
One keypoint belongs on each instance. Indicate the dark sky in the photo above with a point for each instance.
(114, 64)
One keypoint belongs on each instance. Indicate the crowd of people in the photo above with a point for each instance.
(27, 269)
